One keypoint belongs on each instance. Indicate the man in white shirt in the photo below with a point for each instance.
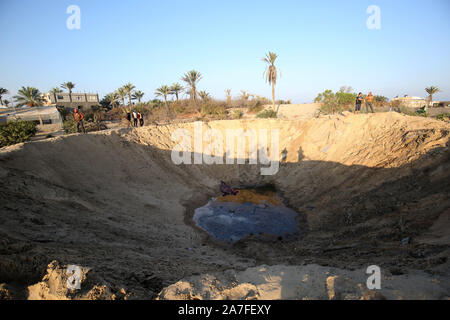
(135, 119)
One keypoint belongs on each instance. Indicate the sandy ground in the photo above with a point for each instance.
(308, 282)
(114, 203)
(286, 111)
(297, 111)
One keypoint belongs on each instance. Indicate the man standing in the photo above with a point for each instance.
(141, 119)
(135, 119)
(369, 102)
(129, 119)
(359, 100)
(79, 119)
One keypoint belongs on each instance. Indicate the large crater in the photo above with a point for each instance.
(116, 202)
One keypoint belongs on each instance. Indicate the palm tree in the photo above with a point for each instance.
(69, 86)
(204, 95)
(55, 90)
(137, 95)
(122, 94)
(6, 103)
(28, 96)
(164, 91)
(431, 91)
(3, 91)
(244, 95)
(192, 78)
(228, 93)
(112, 99)
(175, 89)
(129, 90)
(271, 72)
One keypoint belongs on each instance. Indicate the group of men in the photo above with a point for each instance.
(369, 102)
(137, 117)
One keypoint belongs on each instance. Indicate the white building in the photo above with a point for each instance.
(47, 118)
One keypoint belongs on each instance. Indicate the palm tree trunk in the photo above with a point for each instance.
(273, 95)
(167, 106)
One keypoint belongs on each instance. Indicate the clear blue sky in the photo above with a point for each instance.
(321, 45)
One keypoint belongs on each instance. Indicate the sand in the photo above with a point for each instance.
(309, 282)
(113, 202)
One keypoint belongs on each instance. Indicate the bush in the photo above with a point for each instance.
(283, 102)
(70, 126)
(334, 102)
(267, 114)
(256, 107)
(405, 110)
(346, 98)
(63, 111)
(443, 117)
(116, 114)
(380, 99)
(398, 107)
(214, 111)
(331, 105)
(237, 114)
(16, 132)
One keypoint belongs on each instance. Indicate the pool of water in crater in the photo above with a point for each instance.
(251, 212)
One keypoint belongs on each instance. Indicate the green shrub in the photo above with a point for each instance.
(324, 95)
(283, 102)
(443, 116)
(345, 98)
(256, 107)
(405, 110)
(214, 111)
(16, 132)
(63, 111)
(237, 114)
(334, 102)
(380, 99)
(331, 105)
(267, 114)
(70, 126)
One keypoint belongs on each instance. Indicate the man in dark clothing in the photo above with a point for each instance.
(359, 100)
(141, 119)
(129, 118)
(79, 119)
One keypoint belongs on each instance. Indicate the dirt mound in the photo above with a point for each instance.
(72, 283)
(250, 196)
(304, 283)
(116, 202)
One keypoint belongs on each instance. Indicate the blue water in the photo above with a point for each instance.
(230, 222)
